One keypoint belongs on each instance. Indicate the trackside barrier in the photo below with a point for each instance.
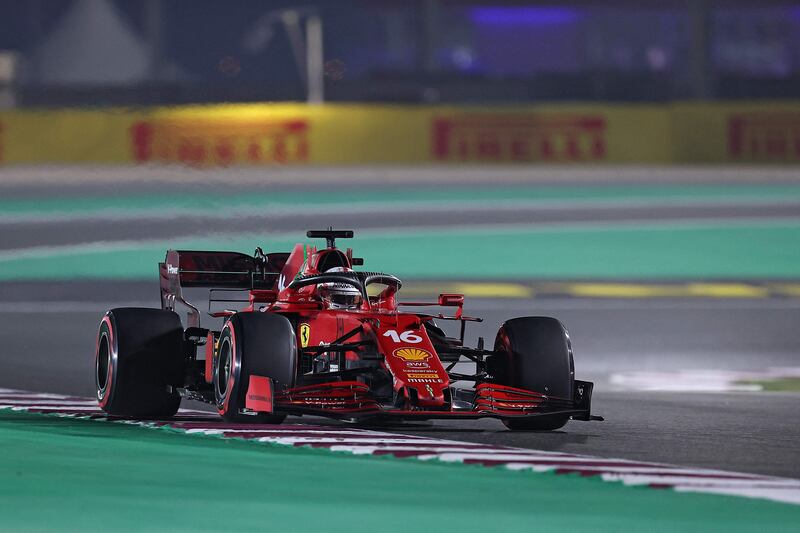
(297, 134)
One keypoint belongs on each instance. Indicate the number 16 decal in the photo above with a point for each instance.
(407, 336)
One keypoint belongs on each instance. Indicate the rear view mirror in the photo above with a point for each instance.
(451, 300)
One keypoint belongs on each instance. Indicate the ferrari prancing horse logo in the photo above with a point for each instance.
(305, 335)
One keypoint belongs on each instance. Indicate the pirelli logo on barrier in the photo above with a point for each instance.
(764, 137)
(209, 142)
(515, 137)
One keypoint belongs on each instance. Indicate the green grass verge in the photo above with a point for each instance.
(776, 385)
(348, 196)
(67, 474)
(675, 250)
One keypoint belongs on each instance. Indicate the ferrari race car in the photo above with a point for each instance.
(315, 337)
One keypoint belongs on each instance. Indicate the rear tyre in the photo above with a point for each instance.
(139, 360)
(535, 354)
(252, 343)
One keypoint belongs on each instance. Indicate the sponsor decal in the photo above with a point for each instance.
(417, 365)
(764, 136)
(172, 269)
(425, 380)
(514, 137)
(430, 390)
(209, 142)
(305, 335)
(422, 374)
(412, 354)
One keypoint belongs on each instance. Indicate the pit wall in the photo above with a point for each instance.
(259, 134)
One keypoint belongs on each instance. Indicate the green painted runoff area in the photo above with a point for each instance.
(776, 385)
(59, 473)
(731, 249)
(396, 196)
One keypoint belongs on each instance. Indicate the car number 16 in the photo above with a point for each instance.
(407, 336)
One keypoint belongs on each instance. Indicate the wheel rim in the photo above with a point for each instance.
(223, 370)
(102, 366)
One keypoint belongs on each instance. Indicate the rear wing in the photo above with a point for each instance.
(215, 270)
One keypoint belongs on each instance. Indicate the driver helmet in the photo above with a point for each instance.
(339, 295)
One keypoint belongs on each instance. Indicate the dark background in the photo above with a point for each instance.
(144, 52)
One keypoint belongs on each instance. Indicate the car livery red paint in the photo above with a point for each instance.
(316, 337)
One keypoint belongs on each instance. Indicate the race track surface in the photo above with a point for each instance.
(47, 324)
(49, 348)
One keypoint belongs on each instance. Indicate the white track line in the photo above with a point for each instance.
(63, 408)
(534, 456)
(49, 403)
(10, 393)
(421, 450)
(369, 442)
(373, 439)
(279, 429)
(700, 380)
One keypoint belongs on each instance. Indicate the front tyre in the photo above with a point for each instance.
(252, 343)
(535, 354)
(139, 360)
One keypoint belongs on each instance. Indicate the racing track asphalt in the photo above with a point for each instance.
(47, 329)
(48, 338)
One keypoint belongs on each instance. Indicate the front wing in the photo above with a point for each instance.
(352, 400)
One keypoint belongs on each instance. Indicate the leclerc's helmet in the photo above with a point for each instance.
(339, 295)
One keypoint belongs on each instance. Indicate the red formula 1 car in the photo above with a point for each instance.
(318, 338)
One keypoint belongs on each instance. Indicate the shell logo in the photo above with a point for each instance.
(412, 354)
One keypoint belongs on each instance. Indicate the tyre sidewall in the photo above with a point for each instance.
(145, 359)
(106, 342)
(257, 344)
(535, 353)
(537, 356)
(229, 402)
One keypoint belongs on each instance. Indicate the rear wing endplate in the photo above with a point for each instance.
(220, 270)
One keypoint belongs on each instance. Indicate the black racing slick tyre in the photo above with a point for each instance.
(253, 343)
(139, 360)
(535, 354)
